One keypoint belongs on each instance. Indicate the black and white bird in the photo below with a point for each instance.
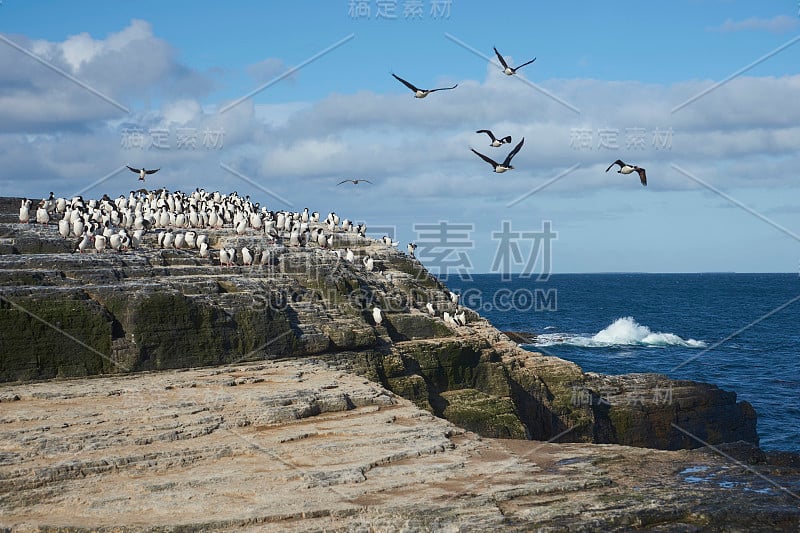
(506, 164)
(411, 247)
(496, 142)
(355, 181)
(508, 71)
(421, 93)
(142, 172)
(625, 168)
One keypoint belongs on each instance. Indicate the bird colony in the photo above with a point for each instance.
(185, 222)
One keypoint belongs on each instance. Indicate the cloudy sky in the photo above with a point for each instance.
(282, 100)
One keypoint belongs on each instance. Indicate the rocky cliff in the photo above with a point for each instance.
(65, 314)
(296, 445)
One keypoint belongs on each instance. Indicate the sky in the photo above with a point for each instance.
(283, 100)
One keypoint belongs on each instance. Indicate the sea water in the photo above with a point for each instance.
(738, 331)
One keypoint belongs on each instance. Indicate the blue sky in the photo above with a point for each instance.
(662, 85)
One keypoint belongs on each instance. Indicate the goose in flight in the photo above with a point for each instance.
(508, 71)
(142, 172)
(496, 142)
(625, 168)
(421, 93)
(506, 164)
(355, 181)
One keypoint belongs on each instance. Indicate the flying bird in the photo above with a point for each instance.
(495, 142)
(355, 182)
(506, 164)
(625, 168)
(421, 93)
(142, 171)
(508, 71)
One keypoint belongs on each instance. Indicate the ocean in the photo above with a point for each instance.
(738, 331)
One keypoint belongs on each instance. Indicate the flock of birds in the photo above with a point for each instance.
(182, 221)
(499, 168)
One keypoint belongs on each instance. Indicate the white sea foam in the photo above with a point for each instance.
(623, 332)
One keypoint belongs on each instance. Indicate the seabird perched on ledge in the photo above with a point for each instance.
(421, 93)
(506, 164)
(496, 142)
(625, 168)
(142, 172)
(377, 316)
(508, 71)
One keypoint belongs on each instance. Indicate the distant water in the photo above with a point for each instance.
(738, 331)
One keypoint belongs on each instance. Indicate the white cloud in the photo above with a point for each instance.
(776, 24)
(125, 68)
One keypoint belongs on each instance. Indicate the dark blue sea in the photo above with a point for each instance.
(738, 331)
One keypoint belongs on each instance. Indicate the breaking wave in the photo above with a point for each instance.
(623, 332)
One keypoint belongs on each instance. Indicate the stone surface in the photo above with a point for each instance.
(296, 445)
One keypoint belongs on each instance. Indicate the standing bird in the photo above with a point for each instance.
(224, 258)
(421, 93)
(377, 316)
(42, 216)
(506, 165)
(411, 247)
(496, 142)
(355, 182)
(625, 168)
(247, 257)
(64, 227)
(431, 310)
(99, 243)
(86, 239)
(508, 71)
(142, 172)
(454, 298)
(25, 211)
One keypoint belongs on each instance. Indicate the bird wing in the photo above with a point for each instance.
(367, 181)
(642, 176)
(443, 88)
(528, 63)
(487, 132)
(404, 82)
(487, 159)
(343, 181)
(133, 169)
(617, 162)
(513, 152)
(152, 171)
(506, 139)
(502, 61)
